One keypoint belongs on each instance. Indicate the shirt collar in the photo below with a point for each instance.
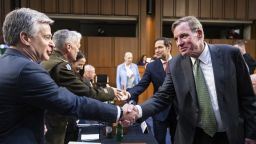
(170, 57)
(204, 57)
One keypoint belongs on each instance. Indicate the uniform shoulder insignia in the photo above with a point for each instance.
(68, 67)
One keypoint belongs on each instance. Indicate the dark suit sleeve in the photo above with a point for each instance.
(161, 99)
(141, 86)
(41, 91)
(247, 98)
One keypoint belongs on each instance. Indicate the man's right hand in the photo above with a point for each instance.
(130, 115)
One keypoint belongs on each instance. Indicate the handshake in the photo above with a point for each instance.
(130, 114)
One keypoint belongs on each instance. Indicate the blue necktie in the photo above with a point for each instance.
(207, 117)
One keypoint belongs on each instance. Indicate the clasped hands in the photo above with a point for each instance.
(130, 115)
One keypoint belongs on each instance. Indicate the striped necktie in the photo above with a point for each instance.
(207, 117)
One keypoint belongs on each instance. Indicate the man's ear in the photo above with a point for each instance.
(68, 46)
(199, 33)
(24, 38)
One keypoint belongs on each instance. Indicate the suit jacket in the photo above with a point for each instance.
(121, 75)
(154, 73)
(237, 103)
(26, 90)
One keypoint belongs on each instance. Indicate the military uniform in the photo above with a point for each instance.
(60, 70)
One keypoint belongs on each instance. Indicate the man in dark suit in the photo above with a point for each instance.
(222, 110)
(26, 89)
(155, 73)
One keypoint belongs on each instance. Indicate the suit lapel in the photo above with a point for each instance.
(218, 71)
(189, 78)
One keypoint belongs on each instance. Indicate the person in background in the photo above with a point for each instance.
(155, 73)
(27, 90)
(212, 88)
(127, 74)
(142, 61)
(79, 63)
(251, 63)
(89, 73)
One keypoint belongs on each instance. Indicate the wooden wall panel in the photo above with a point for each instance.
(252, 7)
(250, 48)
(168, 8)
(78, 6)
(193, 8)
(65, 6)
(1, 19)
(123, 45)
(175, 50)
(222, 41)
(24, 3)
(120, 7)
(241, 9)
(147, 28)
(217, 9)
(158, 21)
(207, 40)
(50, 6)
(83, 47)
(180, 8)
(99, 51)
(133, 7)
(253, 34)
(148, 92)
(229, 9)
(92, 6)
(36, 4)
(205, 9)
(106, 7)
(5, 8)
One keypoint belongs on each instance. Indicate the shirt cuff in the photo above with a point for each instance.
(118, 113)
(140, 111)
(129, 95)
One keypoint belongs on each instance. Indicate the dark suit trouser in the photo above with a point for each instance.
(160, 129)
(202, 138)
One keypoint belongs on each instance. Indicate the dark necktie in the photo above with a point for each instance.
(207, 117)
(166, 66)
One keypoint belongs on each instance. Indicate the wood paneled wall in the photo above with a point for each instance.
(88, 7)
(5, 7)
(211, 9)
(105, 53)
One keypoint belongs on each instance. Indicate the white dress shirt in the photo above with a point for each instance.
(207, 69)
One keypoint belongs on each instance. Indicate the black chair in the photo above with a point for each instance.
(101, 80)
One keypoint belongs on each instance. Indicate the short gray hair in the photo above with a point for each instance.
(192, 21)
(22, 20)
(63, 36)
(88, 68)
